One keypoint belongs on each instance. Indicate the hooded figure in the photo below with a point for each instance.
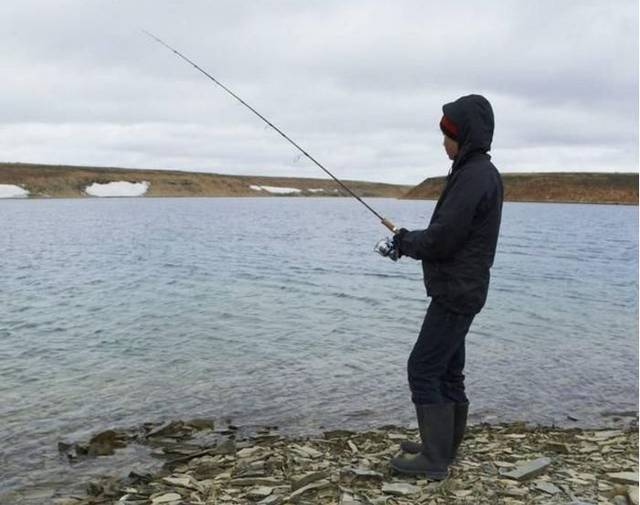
(457, 250)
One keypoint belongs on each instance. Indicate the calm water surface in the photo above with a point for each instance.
(276, 311)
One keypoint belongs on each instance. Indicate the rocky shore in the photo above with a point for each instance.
(203, 463)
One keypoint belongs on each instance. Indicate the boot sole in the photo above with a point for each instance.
(428, 475)
(451, 462)
(404, 449)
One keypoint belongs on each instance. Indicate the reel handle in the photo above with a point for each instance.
(390, 225)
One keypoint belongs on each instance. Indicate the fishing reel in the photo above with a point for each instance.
(387, 248)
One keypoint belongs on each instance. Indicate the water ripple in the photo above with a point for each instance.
(117, 312)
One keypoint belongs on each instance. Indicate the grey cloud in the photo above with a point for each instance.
(359, 84)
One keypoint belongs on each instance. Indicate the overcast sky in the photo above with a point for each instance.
(359, 84)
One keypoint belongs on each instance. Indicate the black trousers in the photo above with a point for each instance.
(437, 361)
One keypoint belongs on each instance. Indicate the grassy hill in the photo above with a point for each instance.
(579, 187)
(71, 181)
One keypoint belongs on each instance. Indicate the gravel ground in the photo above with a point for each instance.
(497, 464)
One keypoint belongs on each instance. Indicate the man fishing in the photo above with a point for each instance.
(457, 251)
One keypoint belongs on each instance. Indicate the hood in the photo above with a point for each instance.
(473, 116)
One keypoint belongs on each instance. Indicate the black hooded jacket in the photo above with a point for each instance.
(458, 247)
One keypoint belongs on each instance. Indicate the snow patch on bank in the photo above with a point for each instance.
(275, 189)
(12, 191)
(117, 188)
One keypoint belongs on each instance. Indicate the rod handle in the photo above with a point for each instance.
(389, 225)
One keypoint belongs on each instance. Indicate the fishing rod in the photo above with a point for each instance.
(383, 220)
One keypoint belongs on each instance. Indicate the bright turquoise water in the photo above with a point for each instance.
(275, 310)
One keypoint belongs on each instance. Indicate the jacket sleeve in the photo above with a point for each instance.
(451, 226)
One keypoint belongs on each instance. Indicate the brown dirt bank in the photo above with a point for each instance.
(57, 181)
(579, 187)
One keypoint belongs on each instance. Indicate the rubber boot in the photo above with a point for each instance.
(412, 447)
(459, 427)
(435, 422)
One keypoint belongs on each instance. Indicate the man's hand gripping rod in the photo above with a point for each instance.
(383, 220)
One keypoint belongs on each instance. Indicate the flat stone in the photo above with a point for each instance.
(576, 480)
(181, 449)
(557, 447)
(348, 499)
(313, 453)
(488, 468)
(110, 437)
(435, 485)
(547, 487)
(299, 481)
(100, 450)
(184, 481)
(529, 470)
(268, 437)
(166, 498)
(516, 492)
(606, 434)
(399, 488)
(589, 449)
(127, 500)
(65, 446)
(202, 424)
(257, 481)
(321, 484)
(94, 488)
(632, 494)
(248, 452)
(250, 471)
(259, 492)
(166, 429)
(271, 500)
(364, 473)
(624, 477)
(226, 447)
(503, 464)
(306, 451)
(337, 434)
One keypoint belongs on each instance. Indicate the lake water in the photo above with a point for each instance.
(276, 311)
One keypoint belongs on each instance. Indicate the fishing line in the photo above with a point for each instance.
(383, 220)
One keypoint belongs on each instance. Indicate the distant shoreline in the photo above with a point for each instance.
(559, 202)
(552, 187)
(52, 181)
(41, 181)
(159, 197)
